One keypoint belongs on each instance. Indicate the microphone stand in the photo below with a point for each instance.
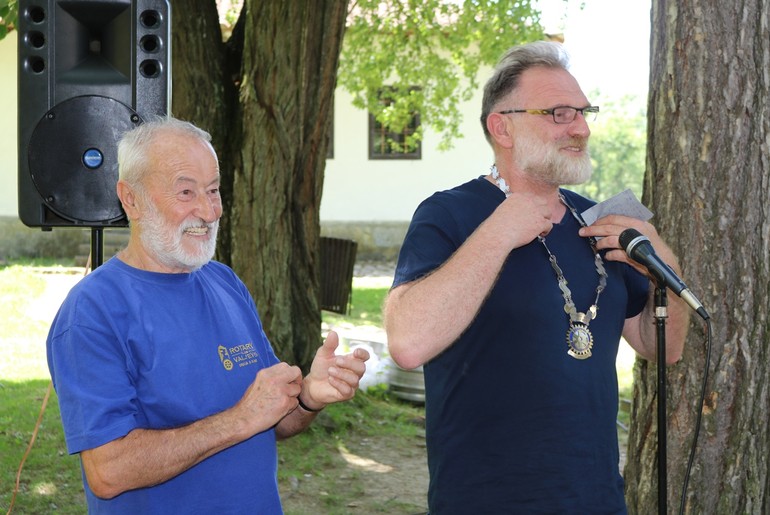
(661, 313)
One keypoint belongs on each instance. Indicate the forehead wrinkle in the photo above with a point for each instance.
(544, 88)
(183, 166)
(184, 179)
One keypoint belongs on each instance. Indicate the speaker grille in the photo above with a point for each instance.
(88, 71)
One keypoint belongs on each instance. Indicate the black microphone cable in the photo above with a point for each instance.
(701, 403)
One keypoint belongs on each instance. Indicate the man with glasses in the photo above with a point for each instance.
(515, 307)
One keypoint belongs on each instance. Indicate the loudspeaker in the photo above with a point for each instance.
(88, 71)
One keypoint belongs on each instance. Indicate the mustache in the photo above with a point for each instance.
(191, 224)
(579, 143)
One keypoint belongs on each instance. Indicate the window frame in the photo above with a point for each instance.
(378, 133)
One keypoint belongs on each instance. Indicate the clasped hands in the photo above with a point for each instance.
(275, 391)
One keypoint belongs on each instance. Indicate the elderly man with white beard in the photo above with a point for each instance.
(515, 307)
(168, 387)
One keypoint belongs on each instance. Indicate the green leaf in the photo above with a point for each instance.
(9, 12)
(437, 46)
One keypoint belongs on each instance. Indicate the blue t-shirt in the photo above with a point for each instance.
(515, 424)
(135, 349)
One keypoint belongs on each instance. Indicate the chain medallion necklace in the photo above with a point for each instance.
(580, 341)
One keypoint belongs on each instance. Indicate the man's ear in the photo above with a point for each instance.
(128, 200)
(500, 130)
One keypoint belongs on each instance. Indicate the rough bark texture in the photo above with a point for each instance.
(266, 97)
(708, 181)
(204, 91)
(290, 57)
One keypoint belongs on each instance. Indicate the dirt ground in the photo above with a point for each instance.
(375, 475)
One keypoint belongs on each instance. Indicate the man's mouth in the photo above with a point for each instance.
(197, 231)
(575, 147)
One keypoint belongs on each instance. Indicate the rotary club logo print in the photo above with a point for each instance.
(238, 356)
(224, 357)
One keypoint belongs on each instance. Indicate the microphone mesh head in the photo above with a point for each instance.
(628, 236)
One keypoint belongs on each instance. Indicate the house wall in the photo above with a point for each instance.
(8, 145)
(357, 188)
(372, 200)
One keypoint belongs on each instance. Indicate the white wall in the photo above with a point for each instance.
(359, 189)
(8, 145)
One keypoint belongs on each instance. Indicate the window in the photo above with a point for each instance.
(390, 143)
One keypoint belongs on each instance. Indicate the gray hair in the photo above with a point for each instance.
(133, 148)
(509, 69)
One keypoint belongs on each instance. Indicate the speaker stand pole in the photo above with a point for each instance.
(661, 313)
(97, 247)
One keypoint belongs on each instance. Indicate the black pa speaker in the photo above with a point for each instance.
(88, 71)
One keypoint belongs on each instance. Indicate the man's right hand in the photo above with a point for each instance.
(521, 218)
(271, 396)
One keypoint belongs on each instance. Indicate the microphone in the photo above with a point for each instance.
(639, 248)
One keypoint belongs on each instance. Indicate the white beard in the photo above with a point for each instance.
(547, 163)
(165, 242)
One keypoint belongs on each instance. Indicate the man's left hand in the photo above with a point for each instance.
(333, 378)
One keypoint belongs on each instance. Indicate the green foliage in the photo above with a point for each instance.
(618, 145)
(429, 52)
(356, 414)
(9, 13)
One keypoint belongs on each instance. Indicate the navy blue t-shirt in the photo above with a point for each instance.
(515, 424)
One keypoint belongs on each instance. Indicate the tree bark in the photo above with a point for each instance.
(266, 97)
(290, 56)
(204, 91)
(708, 181)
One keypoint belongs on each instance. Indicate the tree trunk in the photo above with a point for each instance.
(290, 56)
(204, 92)
(266, 97)
(708, 181)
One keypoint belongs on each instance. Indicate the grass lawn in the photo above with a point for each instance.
(50, 481)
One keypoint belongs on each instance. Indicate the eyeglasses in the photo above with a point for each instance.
(561, 114)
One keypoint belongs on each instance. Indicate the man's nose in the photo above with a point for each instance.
(579, 126)
(209, 210)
